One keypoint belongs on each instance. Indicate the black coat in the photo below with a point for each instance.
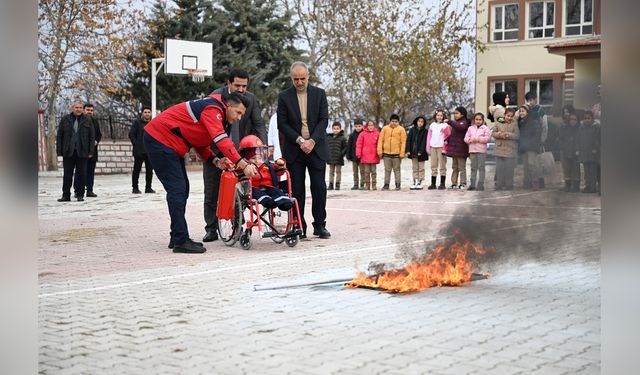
(251, 122)
(86, 134)
(417, 143)
(337, 148)
(589, 143)
(530, 134)
(290, 123)
(135, 135)
(569, 140)
(351, 146)
(98, 138)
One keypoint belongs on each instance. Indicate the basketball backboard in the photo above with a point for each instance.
(183, 55)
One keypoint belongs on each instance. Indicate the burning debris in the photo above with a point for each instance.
(448, 264)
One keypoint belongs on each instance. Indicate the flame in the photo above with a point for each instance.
(445, 265)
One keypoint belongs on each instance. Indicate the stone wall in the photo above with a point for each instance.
(117, 157)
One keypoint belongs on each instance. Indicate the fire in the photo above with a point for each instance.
(445, 265)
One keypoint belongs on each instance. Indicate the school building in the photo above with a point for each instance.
(551, 47)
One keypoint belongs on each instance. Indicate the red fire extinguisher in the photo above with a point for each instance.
(226, 195)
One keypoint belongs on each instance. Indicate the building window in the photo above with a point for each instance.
(579, 20)
(541, 19)
(505, 25)
(543, 88)
(510, 87)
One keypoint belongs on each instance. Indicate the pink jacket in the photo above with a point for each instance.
(367, 147)
(477, 138)
(447, 133)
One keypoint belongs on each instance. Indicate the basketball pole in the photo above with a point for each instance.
(154, 73)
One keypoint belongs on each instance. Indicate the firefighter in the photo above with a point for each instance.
(202, 124)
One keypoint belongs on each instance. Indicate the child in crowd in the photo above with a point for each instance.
(417, 150)
(569, 145)
(264, 185)
(358, 173)
(438, 132)
(337, 151)
(500, 103)
(506, 133)
(477, 137)
(456, 148)
(367, 153)
(589, 151)
(530, 145)
(391, 148)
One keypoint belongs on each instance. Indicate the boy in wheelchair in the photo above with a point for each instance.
(265, 186)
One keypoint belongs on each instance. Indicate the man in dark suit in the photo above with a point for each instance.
(303, 116)
(91, 162)
(75, 142)
(250, 123)
(136, 133)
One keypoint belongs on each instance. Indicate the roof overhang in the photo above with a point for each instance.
(575, 45)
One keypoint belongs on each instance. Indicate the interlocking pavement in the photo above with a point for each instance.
(114, 300)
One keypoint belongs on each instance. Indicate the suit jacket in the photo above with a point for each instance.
(64, 137)
(251, 122)
(136, 133)
(290, 122)
(98, 137)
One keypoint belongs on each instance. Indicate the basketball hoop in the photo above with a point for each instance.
(197, 75)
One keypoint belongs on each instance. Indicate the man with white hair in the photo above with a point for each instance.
(75, 142)
(303, 116)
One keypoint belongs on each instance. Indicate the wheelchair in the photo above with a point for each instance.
(239, 213)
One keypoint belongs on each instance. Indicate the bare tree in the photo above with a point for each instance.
(81, 43)
(387, 56)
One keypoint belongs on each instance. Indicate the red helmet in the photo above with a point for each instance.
(251, 146)
(250, 141)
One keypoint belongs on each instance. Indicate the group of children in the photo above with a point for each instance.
(442, 138)
(517, 132)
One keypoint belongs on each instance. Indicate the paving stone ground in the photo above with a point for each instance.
(114, 300)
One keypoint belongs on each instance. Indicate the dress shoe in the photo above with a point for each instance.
(136, 191)
(189, 247)
(149, 191)
(91, 194)
(321, 232)
(171, 244)
(64, 198)
(80, 199)
(210, 236)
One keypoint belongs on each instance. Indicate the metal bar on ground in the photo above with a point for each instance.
(258, 288)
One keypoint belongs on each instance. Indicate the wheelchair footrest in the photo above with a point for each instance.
(293, 233)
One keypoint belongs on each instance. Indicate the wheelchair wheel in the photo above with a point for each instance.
(279, 220)
(292, 241)
(229, 230)
(245, 240)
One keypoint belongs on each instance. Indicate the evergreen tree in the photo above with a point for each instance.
(249, 34)
(182, 22)
(258, 37)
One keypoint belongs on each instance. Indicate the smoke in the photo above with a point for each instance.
(544, 227)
